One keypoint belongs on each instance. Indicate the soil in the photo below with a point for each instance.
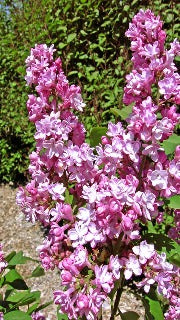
(17, 234)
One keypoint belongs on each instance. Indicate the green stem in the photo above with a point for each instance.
(120, 313)
(100, 314)
(118, 297)
(116, 303)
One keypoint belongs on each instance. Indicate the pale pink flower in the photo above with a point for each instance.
(38, 316)
(103, 278)
(78, 234)
(145, 251)
(1, 316)
(159, 179)
(57, 190)
(115, 266)
(132, 265)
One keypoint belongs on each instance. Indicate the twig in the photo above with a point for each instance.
(116, 303)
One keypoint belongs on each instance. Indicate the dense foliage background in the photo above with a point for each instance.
(89, 35)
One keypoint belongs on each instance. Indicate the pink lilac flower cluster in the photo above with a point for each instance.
(144, 260)
(93, 201)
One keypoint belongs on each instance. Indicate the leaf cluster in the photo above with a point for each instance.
(18, 301)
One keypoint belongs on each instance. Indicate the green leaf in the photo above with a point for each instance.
(19, 258)
(17, 296)
(126, 8)
(67, 7)
(68, 197)
(15, 280)
(170, 144)
(151, 228)
(30, 298)
(12, 275)
(71, 37)
(10, 256)
(38, 272)
(20, 70)
(83, 33)
(72, 73)
(170, 17)
(62, 316)
(175, 259)
(174, 202)
(17, 315)
(130, 315)
(122, 113)
(24, 298)
(96, 134)
(44, 305)
(1, 307)
(152, 308)
(33, 308)
(62, 45)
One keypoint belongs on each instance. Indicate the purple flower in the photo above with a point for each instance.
(115, 266)
(132, 265)
(1, 316)
(3, 263)
(173, 313)
(56, 190)
(83, 302)
(145, 251)
(146, 284)
(103, 278)
(159, 179)
(170, 85)
(78, 233)
(37, 316)
(96, 299)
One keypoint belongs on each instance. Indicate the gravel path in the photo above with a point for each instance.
(17, 234)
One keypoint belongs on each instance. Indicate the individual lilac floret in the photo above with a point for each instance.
(115, 266)
(57, 190)
(131, 265)
(144, 251)
(3, 263)
(1, 316)
(38, 316)
(103, 278)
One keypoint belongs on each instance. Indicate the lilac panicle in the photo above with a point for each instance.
(94, 201)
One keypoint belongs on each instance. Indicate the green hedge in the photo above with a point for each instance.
(90, 38)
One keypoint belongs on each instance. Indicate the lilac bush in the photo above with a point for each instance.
(97, 202)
